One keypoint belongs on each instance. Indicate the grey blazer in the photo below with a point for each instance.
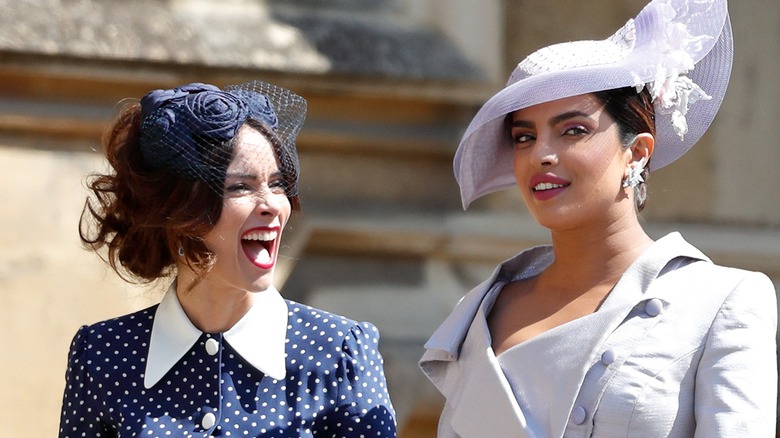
(680, 348)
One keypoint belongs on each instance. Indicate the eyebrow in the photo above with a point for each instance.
(240, 175)
(553, 121)
(252, 176)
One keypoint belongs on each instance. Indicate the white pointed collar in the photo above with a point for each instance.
(259, 336)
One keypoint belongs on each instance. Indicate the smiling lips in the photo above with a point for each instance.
(545, 187)
(259, 245)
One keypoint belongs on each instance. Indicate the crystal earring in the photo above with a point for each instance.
(634, 177)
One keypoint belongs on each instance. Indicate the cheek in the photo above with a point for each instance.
(518, 161)
(284, 205)
(600, 159)
(234, 211)
(233, 216)
(285, 213)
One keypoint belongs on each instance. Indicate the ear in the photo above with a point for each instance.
(642, 147)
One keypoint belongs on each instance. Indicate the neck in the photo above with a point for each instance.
(211, 307)
(598, 255)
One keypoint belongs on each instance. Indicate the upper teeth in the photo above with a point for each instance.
(547, 186)
(260, 235)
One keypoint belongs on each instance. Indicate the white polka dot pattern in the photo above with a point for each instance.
(335, 384)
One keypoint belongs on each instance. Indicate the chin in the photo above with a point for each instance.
(559, 221)
(264, 282)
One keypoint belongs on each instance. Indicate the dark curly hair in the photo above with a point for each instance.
(144, 215)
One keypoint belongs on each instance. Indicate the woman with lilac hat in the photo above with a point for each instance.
(202, 183)
(606, 332)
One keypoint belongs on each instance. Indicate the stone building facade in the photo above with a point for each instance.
(391, 84)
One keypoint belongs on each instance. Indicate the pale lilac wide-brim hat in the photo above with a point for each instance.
(681, 50)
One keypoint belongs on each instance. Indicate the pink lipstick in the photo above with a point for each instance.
(547, 186)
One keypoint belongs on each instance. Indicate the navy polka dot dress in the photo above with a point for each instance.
(333, 384)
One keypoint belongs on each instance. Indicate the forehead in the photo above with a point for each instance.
(583, 103)
(252, 150)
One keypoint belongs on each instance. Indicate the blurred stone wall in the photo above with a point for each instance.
(391, 85)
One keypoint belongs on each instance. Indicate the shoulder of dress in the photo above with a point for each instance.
(140, 319)
(130, 330)
(304, 315)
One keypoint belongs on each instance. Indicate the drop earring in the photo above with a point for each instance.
(634, 176)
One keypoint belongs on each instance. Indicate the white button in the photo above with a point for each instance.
(654, 307)
(578, 415)
(212, 346)
(608, 357)
(209, 420)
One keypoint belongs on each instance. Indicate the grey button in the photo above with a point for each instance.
(608, 357)
(654, 307)
(578, 415)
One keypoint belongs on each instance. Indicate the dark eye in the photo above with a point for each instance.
(238, 188)
(522, 138)
(278, 184)
(575, 130)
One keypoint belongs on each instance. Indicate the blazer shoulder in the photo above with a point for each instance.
(728, 289)
(716, 275)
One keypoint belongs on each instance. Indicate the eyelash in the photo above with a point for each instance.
(520, 140)
(580, 130)
(238, 187)
(571, 131)
(279, 183)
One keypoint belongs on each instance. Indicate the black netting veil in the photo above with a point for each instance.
(191, 130)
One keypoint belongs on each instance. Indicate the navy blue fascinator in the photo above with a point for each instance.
(189, 130)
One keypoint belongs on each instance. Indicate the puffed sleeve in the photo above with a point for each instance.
(736, 382)
(364, 408)
(80, 416)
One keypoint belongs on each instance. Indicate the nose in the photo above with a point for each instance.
(267, 203)
(544, 153)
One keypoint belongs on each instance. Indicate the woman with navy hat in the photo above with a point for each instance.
(202, 183)
(606, 332)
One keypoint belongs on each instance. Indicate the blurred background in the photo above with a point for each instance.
(391, 85)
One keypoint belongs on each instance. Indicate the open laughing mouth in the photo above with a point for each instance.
(259, 245)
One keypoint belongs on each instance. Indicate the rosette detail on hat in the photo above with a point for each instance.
(181, 126)
(260, 107)
(673, 92)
